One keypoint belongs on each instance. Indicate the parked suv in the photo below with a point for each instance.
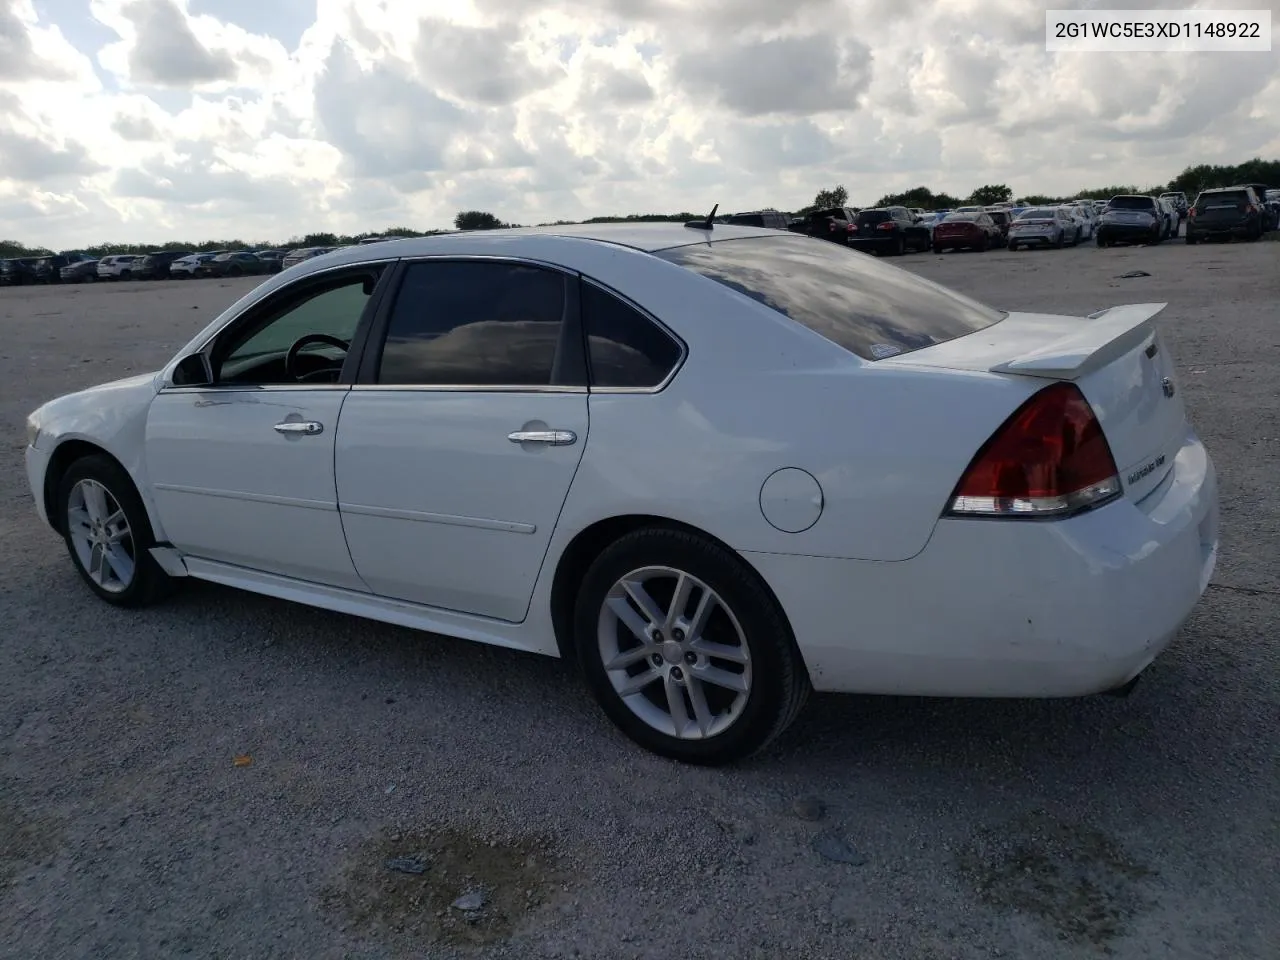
(302, 253)
(753, 218)
(1131, 218)
(1226, 212)
(891, 230)
(1179, 201)
(116, 267)
(834, 223)
(155, 266)
(80, 271)
(17, 271)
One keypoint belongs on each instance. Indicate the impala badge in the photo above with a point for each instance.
(1167, 386)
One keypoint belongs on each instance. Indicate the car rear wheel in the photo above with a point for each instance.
(937, 248)
(107, 533)
(685, 649)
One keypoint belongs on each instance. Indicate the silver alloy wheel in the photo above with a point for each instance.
(100, 535)
(683, 666)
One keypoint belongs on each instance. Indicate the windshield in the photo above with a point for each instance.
(1132, 203)
(868, 307)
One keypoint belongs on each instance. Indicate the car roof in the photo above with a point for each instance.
(646, 237)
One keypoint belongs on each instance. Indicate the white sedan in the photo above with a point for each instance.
(720, 467)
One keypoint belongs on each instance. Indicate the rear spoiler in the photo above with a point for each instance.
(1103, 337)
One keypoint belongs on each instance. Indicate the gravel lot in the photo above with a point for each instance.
(1139, 827)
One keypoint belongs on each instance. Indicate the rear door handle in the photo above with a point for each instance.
(307, 427)
(557, 438)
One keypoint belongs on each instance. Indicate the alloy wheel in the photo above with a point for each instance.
(674, 652)
(100, 535)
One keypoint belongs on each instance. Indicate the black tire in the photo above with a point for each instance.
(149, 583)
(1062, 240)
(899, 247)
(937, 248)
(1013, 248)
(779, 682)
(126, 274)
(1190, 239)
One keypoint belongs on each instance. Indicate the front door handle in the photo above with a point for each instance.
(308, 427)
(557, 438)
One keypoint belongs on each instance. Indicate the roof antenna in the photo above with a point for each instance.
(707, 224)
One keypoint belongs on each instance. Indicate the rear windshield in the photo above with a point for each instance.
(864, 305)
(747, 219)
(959, 217)
(1132, 203)
(1227, 198)
(874, 216)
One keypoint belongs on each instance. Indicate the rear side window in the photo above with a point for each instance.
(868, 307)
(625, 348)
(474, 323)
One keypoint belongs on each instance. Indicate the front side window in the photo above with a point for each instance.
(868, 307)
(475, 323)
(320, 320)
(625, 348)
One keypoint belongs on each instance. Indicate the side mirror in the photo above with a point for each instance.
(193, 371)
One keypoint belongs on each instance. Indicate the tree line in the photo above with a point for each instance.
(1191, 181)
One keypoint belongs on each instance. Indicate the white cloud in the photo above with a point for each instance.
(402, 112)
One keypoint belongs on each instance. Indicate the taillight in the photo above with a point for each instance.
(851, 228)
(1049, 459)
(887, 225)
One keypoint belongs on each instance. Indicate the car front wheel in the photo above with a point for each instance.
(685, 649)
(108, 534)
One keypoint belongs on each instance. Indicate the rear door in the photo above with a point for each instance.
(457, 446)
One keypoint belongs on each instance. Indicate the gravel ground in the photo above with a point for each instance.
(1139, 827)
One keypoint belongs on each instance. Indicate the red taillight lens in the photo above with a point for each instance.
(885, 226)
(1049, 459)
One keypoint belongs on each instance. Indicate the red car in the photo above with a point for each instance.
(974, 231)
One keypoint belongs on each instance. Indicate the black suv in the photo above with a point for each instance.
(1226, 212)
(17, 271)
(891, 230)
(155, 266)
(760, 218)
(834, 223)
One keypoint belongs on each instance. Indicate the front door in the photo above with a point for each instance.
(455, 457)
(242, 469)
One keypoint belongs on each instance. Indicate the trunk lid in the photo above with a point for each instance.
(1116, 357)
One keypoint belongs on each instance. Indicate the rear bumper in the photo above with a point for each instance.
(961, 241)
(1113, 231)
(1033, 239)
(874, 243)
(994, 608)
(1236, 229)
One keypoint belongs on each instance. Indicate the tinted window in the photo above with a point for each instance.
(747, 219)
(474, 323)
(1132, 203)
(1226, 198)
(335, 311)
(874, 216)
(625, 348)
(868, 307)
(960, 218)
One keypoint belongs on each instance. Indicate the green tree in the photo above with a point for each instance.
(477, 220)
(837, 196)
(989, 194)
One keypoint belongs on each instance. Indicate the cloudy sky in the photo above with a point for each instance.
(148, 120)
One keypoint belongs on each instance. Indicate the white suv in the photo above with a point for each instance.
(117, 267)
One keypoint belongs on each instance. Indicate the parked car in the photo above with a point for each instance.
(302, 253)
(116, 267)
(523, 504)
(48, 269)
(155, 266)
(966, 231)
(1002, 218)
(1041, 227)
(235, 264)
(1260, 193)
(1099, 206)
(918, 213)
(1225, 213)
(1131, 218)
(186, 268)
(17, 271)
(80, 271)
(1080, 226)
(753, 218)
(1168, 216)
(888, 230)
(1089, 215)
(1179, 201)
(834, 223)
(272, 259)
